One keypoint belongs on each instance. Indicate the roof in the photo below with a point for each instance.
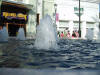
(18, 4)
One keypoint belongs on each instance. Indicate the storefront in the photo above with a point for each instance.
(13, 16)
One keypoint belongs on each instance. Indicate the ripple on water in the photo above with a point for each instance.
(71, 54)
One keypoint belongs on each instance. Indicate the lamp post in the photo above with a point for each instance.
(79, 31)
(55, 7)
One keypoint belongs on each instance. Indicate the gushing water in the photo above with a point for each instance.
(21, 34)
(89, 34)
(97, 33)
(46, 36)
(4, 34)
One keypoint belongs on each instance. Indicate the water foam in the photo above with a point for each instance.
(46, 36)
(4, 34)
(21, 34)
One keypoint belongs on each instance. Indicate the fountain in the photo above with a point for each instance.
(4, 35)
(21, 34)
(96, 28)
(46, 36)
(89, 34)
(43, 53)
(96, 33)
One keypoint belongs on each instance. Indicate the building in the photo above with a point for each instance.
(16, 14)
(65, 14)
(23, 13)
(68, 11)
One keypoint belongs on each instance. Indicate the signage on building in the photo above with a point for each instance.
(57, 17)
(14, 15)
(76, 10)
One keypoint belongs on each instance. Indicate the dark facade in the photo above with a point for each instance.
(13, 16)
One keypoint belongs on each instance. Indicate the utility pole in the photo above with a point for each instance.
(79, 31)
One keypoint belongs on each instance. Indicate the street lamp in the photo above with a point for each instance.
(55, 7)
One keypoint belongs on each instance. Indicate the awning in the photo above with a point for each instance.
(18, 4)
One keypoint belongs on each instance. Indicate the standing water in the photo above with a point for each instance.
(4, 34)
(21, 34)
(71, 55)
(46, 36)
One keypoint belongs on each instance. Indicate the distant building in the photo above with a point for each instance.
(68, 11)
(66, 15)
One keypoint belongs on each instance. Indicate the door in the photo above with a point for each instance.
(13, 29)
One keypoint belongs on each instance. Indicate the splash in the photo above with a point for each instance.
(96, 33)
(21, 34)
(4, 34)
(46, 34)
(89, 34)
